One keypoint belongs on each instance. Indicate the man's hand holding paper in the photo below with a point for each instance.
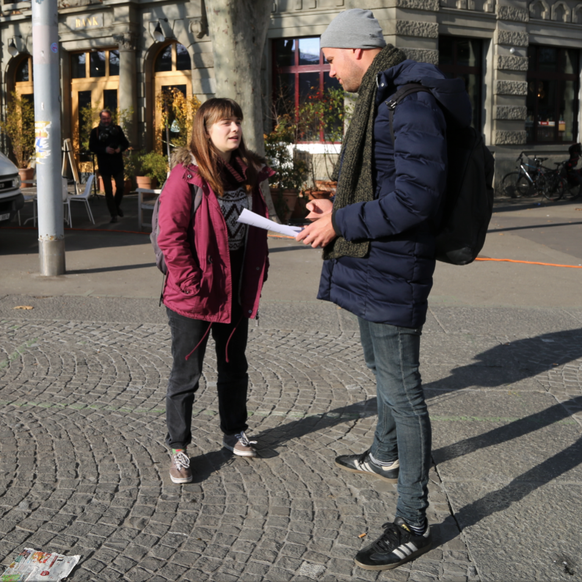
(321, 232)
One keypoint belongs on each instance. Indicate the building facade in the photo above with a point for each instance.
(521, 60)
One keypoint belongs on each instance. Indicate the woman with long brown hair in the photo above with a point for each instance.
(216, 268)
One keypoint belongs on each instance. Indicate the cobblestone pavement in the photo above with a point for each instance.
(83, 468)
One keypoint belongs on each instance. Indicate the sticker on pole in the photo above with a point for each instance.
(55, 47)
(41, 140)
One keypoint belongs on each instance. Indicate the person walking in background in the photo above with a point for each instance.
(108, 141)
(216, 268)
(379, 254)
(572, 174)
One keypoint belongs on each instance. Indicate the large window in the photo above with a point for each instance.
(101, 64)
(462, 57)
(552, 103)
(300, 73)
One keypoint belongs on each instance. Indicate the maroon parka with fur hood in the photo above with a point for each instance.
(199, 280)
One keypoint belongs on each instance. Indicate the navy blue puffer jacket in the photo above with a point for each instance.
(392, 283)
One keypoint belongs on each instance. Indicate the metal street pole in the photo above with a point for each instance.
(47, 122)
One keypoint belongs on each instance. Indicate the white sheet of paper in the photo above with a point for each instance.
(253, 219)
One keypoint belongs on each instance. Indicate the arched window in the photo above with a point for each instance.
(23, 77)
(24, 71)
(174, 57)
(172, 76)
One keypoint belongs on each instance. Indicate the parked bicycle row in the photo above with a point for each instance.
(532, 178)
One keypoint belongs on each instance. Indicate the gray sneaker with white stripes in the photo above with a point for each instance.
(397, 545)
(363, 463)
(239, 444)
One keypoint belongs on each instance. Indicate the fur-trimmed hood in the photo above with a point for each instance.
(181, 156)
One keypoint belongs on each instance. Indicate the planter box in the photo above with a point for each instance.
(26, 174)
(146, 182)
(314, 194)
(326, 185)
(285, 202)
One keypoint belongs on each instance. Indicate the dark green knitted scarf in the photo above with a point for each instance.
(355, 182)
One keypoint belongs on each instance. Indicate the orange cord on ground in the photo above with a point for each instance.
(529, 263)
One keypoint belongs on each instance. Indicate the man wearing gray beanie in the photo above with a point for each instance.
(379, 253)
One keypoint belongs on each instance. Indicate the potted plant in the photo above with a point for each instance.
(177, 116)
(321, 118)
(151, 169)
(19, 127)
(290, 169)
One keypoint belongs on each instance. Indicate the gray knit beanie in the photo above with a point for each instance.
(355, 28)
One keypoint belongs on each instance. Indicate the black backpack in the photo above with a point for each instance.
(196, 200)
(468, 198)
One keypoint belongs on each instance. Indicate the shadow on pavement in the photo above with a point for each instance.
(510, 363)
(513, 430)
(110, 269)
(514, 361)
(273, 437)
(204, 465)
(530, 226)
(16, 240)
(510, 204)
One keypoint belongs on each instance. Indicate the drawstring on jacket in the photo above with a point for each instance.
(198, 344)
(227, 343)
(230, 337)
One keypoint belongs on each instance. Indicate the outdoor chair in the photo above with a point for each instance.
(84, 197)
(146, 199)
(29, 197)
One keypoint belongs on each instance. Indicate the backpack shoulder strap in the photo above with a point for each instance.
(196, 192)
(396, 98)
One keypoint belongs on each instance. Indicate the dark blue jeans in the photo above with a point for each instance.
(403, 430)
(232, 381)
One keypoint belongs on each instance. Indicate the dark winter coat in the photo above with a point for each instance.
(100, 140)
(392, 283)
(199, 281)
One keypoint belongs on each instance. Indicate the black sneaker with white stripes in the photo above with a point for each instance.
(363, 463)
(397, 545)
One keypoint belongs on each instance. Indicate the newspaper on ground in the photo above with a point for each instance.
(37, 566)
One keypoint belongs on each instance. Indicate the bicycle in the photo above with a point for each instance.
(554, 182)
(571, 185)
(532, 179)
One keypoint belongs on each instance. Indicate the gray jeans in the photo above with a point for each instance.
(403, 430)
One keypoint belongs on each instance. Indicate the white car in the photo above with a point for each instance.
(11, 199)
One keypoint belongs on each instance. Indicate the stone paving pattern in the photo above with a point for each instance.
(84, 469)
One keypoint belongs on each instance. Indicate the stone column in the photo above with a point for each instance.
(510, 70)
(510, 66)
(411, 25)
(127, 93)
